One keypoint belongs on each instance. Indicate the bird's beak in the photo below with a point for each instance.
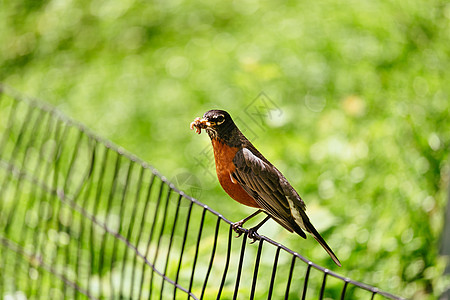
(207, 123)
(203, 123)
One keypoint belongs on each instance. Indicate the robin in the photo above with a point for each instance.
(250, 179)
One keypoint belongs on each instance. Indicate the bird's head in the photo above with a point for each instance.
(217, 123)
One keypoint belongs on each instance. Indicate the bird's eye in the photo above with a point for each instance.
(220, 119)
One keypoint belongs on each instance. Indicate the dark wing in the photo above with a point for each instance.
(269, 189)
(275, 195)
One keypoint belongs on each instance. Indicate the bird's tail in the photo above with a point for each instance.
(310, 228)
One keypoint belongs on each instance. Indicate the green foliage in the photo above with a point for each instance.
(362, 87)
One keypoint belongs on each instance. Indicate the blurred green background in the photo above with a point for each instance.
(352, 97)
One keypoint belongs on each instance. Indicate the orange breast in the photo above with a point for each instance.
(223, 156)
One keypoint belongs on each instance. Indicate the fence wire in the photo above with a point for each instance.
(82, 219)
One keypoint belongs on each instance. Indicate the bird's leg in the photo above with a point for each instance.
(235, 226)
(252, 234)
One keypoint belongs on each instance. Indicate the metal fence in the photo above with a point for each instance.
(81, 218)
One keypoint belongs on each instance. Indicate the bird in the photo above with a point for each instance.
(250, 179)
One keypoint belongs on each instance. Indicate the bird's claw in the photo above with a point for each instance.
(238, 229)
(253, 235)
